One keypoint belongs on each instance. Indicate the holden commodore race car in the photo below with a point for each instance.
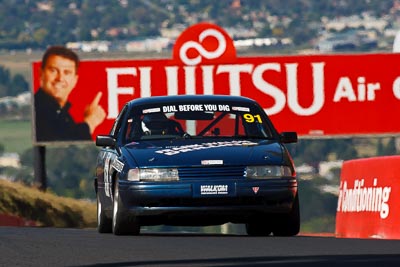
(196, 160)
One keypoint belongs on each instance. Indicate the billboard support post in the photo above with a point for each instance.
(39, 155)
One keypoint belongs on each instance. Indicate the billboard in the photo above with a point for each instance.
(368, 196)
(315, 95)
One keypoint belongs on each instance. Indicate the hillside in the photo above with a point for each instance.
(36, 24)
(44, 208)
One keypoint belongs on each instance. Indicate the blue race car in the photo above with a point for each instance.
(196, 160)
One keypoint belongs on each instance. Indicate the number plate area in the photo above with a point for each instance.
(222, 189)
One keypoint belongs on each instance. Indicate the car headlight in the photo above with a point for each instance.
(153, 174)
(267, 171)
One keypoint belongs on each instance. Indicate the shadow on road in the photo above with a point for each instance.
(300, 261)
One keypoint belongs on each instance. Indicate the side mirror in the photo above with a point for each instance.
(288, 137)
(105, 140)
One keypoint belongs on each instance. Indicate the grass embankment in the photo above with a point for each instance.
(15, 135)
(44, 208)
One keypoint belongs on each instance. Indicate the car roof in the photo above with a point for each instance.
(190, 98)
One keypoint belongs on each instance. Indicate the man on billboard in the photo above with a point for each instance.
(58, 77)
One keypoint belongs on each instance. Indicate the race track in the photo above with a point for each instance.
(76, 247)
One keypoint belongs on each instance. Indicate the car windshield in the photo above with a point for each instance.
(197, 120)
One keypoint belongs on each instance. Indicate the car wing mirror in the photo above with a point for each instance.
(106, 140)
(288, 137)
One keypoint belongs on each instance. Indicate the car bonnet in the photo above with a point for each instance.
(188, 152)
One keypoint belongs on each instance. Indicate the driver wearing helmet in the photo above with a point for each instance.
(159, 124)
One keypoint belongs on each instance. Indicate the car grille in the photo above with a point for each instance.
(220, 172)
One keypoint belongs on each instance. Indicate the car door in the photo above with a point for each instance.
(105, 171)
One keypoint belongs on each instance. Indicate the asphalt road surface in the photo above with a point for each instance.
(77, 247)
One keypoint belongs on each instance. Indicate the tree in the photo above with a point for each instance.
(70, 169)
(4, 81)
(3, 90)
(312, 150)
(343, 148)
(40, 35)
(18, 85)
(317, 205)
(4, 75)
(388, 149)
(11, 86)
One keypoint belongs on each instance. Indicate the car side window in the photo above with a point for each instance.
(133, 129)
(118, 122)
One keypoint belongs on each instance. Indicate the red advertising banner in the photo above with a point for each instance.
(315, 95)
(368, 199)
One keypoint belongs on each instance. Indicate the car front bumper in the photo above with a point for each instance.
(229, 199)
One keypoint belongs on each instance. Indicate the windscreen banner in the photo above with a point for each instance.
(315, 95)
(368, 198)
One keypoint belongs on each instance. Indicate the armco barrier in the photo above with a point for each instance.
(368, 202)
(12, 220)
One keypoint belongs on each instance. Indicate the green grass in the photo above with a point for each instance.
(15, 135)
(324, 224)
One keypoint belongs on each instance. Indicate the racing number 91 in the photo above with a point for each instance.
(252, 118)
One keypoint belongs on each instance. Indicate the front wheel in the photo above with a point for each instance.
(123, 224)
(103, 222)
(258, 228)
(289, 224)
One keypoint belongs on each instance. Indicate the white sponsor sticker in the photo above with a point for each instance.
(107, 178)
(194, 108)
(117, 165)
(151, 110)
(189, 148)
(213, 189)
(245, 109)
(212, 162)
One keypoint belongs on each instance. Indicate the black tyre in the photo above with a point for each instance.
(258, 228)
(104, 224)
(122, 224)
(289, 224)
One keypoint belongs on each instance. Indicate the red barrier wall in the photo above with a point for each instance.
(368, 203)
